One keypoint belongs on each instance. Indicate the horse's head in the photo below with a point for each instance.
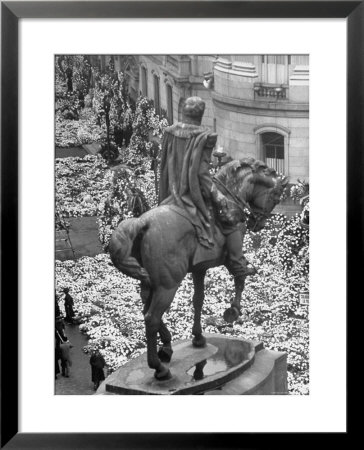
(256, 185)
(266, 194)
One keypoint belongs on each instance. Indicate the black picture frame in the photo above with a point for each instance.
(11, 12)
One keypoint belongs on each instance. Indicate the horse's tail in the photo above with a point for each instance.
(123, 248)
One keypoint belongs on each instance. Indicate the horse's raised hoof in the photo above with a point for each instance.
(199, 341)
(165, 354)
(163, 374)
(231, 314)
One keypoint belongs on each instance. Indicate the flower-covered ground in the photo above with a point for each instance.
(72, 133)
(109, 306)
(106, 301)
(84, 184)
(80, 185)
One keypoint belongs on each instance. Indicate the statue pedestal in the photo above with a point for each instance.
(267, 376)
(226, 366)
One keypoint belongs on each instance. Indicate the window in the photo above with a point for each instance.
(180, 108)
(157, 105)
(144, 82)
(273, 150)
(274, 69)
(170, 104)
(103, 62)
(272, 146)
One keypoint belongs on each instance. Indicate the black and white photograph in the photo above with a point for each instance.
(182, 224)
(181, 193)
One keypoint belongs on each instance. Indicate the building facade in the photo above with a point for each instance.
(258, 104)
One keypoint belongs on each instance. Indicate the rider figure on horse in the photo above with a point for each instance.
(185, 181)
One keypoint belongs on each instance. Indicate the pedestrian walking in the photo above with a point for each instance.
(57, 354)
(59, 338)
(97, 368)
(66, 361)
(57, 310)
(68, 306)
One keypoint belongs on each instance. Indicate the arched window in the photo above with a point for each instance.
(157, 100)
(272, 146)
(273, 150)
(144, 81)
(169, 104)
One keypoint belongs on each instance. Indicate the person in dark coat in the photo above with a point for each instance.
(69, 75)
(68, 306)
(97, 368)
(57, 310)
(59, 337)
(128, 132)
(57, 354)
(66, 361)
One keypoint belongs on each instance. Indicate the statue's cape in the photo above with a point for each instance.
(184, 146)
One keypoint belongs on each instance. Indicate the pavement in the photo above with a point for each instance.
(81, 151)
(83, 234)
(79, 381)
(70, 151)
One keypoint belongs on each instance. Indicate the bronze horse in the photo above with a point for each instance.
(158, 249)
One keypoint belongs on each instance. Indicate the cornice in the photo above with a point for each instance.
(261, 108)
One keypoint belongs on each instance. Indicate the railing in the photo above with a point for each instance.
(271, 91)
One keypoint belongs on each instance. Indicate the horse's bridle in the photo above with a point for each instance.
(242, 204)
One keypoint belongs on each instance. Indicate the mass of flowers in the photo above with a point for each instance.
(109, 306)
(126, 197)
(76, 68)
(300, 190)
(73, 133)
(89, 187)
(80, 185)
(107, 302)
(76, 122)
(146, 123)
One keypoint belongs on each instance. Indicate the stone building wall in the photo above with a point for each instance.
(169, 75)
(235, 106)
(185, 76)
(241, 117)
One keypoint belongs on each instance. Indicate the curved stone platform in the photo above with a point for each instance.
(226, 366)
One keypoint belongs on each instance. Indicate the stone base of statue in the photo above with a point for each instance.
(225, 366)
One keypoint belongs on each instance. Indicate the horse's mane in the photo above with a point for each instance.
(238, 172)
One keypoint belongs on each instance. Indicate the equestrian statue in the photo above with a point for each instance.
(198, 224)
